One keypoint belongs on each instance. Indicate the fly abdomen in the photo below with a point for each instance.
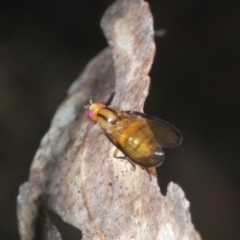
(137, 140)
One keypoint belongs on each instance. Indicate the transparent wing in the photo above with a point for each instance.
(166, 135)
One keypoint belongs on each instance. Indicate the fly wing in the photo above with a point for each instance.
(166, 135)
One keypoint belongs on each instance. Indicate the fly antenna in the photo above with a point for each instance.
(90, 101)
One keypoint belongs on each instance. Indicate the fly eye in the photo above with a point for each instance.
(90, 113)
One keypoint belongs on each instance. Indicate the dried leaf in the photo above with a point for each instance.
(74, 173)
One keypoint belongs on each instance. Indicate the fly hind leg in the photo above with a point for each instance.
(123, 157)
(150, 176)
(133, 164)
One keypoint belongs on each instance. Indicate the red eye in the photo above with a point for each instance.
(90, 113)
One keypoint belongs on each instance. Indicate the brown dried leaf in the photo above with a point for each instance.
(74, 173)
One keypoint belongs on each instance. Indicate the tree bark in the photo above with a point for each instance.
(74, 173)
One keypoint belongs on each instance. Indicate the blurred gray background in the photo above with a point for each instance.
(44, 46)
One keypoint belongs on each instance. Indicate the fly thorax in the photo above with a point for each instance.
(108, 117)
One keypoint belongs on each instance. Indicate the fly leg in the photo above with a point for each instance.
(134, 166)
(123, 157)
(150, 176)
